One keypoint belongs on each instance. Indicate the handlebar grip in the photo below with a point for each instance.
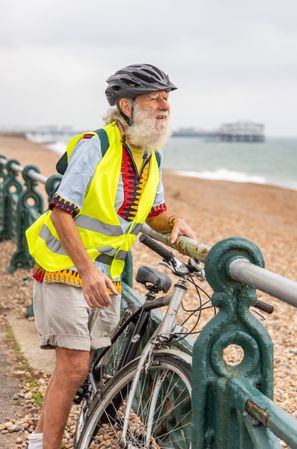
(264, 306)
(150, 243)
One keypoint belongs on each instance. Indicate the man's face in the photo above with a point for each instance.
(150, 128)
(156, 104)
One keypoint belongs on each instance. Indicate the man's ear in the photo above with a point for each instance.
(125, 106)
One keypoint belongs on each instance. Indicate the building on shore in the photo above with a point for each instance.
(228, 132)
(192, 132)
(242, 132)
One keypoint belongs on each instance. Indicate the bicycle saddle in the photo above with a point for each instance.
(147, 275)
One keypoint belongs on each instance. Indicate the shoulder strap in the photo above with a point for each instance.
(158, 157)
(62, 163)
(103, 140)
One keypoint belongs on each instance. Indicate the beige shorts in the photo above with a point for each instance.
(64, 319)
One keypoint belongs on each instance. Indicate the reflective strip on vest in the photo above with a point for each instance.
(107, 260)
(121, 255)
(51, 242)
(136, 229)
(93, 224)
(104, 258)
(55, 245)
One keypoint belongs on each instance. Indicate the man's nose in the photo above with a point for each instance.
(163, 104)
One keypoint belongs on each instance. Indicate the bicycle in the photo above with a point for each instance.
(143, 400)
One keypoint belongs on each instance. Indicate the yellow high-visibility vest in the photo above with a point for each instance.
(97, 222)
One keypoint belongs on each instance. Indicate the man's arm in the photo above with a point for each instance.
(165, 222)
(94, 282)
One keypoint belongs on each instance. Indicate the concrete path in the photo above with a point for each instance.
(27, 338)
(9, 407)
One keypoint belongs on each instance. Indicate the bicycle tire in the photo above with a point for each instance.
(170, 402)
(108, 365)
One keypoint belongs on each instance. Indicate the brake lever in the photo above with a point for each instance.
(200, 275)
(195, 269)
(176, 267)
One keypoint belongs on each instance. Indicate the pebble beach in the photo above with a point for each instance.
(264, 214)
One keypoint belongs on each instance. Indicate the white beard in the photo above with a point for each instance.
(147, 131)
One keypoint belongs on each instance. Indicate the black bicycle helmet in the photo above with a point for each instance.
(134, 80)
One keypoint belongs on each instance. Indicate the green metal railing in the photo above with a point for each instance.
(20, 205)
(232, 404)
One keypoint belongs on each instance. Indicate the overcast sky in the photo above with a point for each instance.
(231, 59)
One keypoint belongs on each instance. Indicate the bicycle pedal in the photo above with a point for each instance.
(77, 399)
(81, 393)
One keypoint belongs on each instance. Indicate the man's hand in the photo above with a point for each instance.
(94, 282)
(171, 223)
(180, 227)
(94, 286)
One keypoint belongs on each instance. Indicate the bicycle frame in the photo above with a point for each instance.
(140, 318)
(164, 329)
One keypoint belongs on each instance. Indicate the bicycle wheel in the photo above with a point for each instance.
(106, 367)
(161, 415)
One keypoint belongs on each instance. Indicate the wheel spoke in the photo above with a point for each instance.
(168, 412)
(176, 428)
(145, 406)
(168, 393)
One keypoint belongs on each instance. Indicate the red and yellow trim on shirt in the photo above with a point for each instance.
(69, 277)
(67, 206)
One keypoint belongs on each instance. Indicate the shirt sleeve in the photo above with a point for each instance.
(80, 171)
(159, 205)
(67, 206)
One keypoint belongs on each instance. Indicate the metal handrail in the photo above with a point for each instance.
(274, 284)
(240, 269)
(184, 245)
(19, 168)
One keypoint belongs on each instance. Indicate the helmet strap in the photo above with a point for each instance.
(128, 120)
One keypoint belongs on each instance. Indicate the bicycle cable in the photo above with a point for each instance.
(201, 306)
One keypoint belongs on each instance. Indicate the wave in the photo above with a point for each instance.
(223, 174)
(58, 143)
(57, 147)
(50, 141)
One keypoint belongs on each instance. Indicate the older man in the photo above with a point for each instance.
(111, 186)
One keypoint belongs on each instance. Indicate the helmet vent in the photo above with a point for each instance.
(129, 83)
(146, 78)
(153, 74)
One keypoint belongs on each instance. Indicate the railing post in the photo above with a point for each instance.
(10, 191)
(52, 185)
(29, 207)
(219, 419)
(3, 174)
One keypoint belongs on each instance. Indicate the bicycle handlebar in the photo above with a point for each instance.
(264, 306)
(150, 243)
(169, 256)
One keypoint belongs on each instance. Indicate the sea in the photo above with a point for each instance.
(273, 161)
